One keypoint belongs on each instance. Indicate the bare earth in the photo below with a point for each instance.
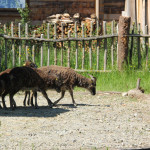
(98, 122)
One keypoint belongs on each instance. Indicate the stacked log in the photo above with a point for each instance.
(68, 23)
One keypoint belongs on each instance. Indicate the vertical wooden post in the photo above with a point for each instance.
(33, 48)
(97, 45)
(90, 48)
(105, 46)
(112, 44)
(138, 46)
(117, 43)
(47, 30)
(138, 84)
(124, 27)
(13, 45)
(76, 36)
(19, 35)
(97, 9)
(26, 35)
(41, 51)
(69, 49)
(83, 47)
(62, 43)
(48, 52)
(5, 32)
(128, 8)
(130, 56)
(55, 44)
(144, 15)
(146, 45)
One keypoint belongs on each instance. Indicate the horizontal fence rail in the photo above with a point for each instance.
(94, 51)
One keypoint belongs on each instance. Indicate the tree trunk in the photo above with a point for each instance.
(124, 27)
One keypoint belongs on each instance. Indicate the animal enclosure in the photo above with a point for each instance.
(82, 47)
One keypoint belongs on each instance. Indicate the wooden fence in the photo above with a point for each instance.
(85, 56)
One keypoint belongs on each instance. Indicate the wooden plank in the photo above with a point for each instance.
(62, 44)
(76, 36)
(26, 45)
(105, 46)
(41, 51)
(98, 53)
(90, 48)
(19, 35)
(83, 48)
(55, 44)
(138, 47)
(146, 45)
(69, 49)
(48, 51)
(112, 44)
(33, 48)
(13, 44)
(97, 9)
(131, 49)
(98, 45)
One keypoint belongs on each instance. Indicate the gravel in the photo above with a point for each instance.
(104, 121)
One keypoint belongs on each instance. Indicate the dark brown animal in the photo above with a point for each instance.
(6, 71)
(70, 79)
(27, 93)
(21, 78)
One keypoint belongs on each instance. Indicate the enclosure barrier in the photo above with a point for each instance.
(82, 43)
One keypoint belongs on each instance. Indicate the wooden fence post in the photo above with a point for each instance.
(146, 45)
(13, 44)
(138, 46)
(55, 44)
(69, 32)
(131, 49)
(124, 27)
(97, 45)
(90, 46)
(83, 47)
(76, 36)
(41, 51)
(62, 43)
(33, 48)
(112, 44)
(27, 47)
(19, 35)
(48, 51)
(105, 46)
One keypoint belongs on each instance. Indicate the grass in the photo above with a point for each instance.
(121, 81)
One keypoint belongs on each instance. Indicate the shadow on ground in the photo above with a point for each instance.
(42, 111)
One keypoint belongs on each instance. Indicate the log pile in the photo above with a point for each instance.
(68, 23)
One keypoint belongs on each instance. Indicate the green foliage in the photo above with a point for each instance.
(24, 13)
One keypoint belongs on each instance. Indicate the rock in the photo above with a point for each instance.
(125, 94)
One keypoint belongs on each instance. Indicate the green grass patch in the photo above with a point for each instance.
(121, 81)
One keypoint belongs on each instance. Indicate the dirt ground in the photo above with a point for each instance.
(104, 121)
